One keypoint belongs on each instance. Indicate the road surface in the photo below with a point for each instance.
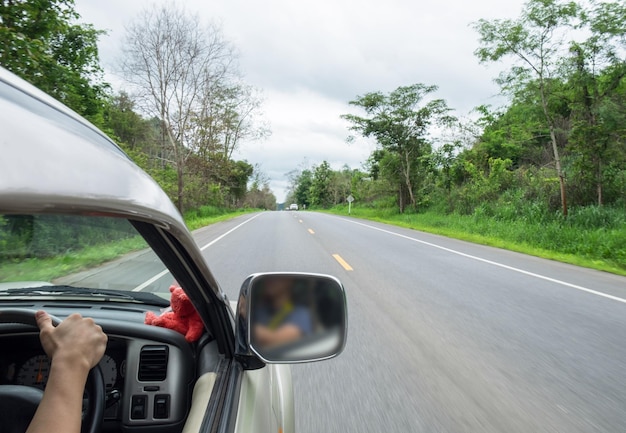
(444, 335)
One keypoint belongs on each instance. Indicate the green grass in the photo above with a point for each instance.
(48, 269)
(566, 241)
(208, 215)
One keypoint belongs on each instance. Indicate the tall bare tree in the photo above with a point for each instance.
(171, 58)
(229, 113)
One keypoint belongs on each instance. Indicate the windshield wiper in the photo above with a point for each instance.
(100, 294)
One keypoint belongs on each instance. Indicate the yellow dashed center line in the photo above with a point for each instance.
(311, 231)
(342, 262)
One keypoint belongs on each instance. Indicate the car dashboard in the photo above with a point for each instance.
(148, 371)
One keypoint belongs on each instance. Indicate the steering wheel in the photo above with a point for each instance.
(18, 403)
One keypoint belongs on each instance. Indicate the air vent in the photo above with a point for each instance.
(153, 363)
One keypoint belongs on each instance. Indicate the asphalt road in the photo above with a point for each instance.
(444, 336)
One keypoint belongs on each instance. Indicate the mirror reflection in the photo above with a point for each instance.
(296, 317)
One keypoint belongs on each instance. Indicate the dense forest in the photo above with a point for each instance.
(187, 108)
(557, 148)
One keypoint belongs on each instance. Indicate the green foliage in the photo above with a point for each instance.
(41, 42)
(259, 195)
(319, 193)
(206, 215)
(323, 187)
(483, 187)
(572, 79)
(559, 143)
(185, 73)
(400, 122)
(210, 178)
(595, 74)
(597, 217)
(528, 37)
(43, 236)
(51, 267)
(563, 126)
(594, 238)
(85, 245)
(240, 172)
(515, 134)
(129, 128)
(304, 182)
(534, 42)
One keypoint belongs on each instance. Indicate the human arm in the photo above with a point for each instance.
(74, 346)
(267, 337)
(295, 326)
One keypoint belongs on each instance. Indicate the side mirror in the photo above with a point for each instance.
(291, 318)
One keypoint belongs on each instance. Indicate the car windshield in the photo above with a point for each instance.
(64, 255)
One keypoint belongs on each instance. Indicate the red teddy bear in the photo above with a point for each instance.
(183, 318)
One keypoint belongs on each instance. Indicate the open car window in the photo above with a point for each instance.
(84, 252)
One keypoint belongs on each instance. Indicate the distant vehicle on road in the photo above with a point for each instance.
(293, 206)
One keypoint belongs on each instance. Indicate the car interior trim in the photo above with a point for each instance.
(202, 391)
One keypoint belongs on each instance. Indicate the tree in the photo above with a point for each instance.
(517, 132)
(340, 184)
(240, 173)
(596, 68)
(227, 115)
(41, 42)
(400, 121)
(302, 191)
(172, 59)
(319, 193)
(259, 194)
(535, 41)
(445, 159)
(127, 126)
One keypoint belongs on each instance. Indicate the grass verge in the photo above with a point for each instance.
(208, 215)
(596, 248)
(51, 268)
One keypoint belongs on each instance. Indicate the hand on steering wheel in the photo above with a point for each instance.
(75, 346)
(77, 343)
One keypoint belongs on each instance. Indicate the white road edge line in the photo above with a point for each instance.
(165, 272)
(150, 281)
(219, 238)
(511, 268)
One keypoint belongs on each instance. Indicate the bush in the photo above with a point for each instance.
(597, 217)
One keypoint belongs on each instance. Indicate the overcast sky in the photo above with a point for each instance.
(309, 58)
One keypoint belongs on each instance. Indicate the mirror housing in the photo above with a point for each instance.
(288, 318)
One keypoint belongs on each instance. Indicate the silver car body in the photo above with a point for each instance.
(54, 161)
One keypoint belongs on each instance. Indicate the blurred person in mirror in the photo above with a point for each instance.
(75, 346)
(279, 320)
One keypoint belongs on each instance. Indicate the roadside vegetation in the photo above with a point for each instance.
(207, 215)
(545, 174)
(186, 107)
(182, 128)
(49, 268)
(82, 250)
(590, 237)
